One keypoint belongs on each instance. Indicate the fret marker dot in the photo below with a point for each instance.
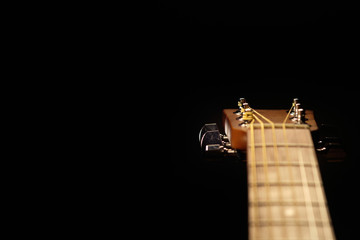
(289, 212)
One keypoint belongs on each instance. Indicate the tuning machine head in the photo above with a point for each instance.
(246, 115)
(329, 143)
(241, 107)
(213, 144)
(297, 114)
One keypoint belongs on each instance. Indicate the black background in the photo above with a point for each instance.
(248, 13)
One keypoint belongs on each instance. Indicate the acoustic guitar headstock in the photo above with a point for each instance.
(237, 121)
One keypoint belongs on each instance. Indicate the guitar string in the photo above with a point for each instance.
(276, 157)
(277, 163)
(265, 166)
(307, 196)
(288, 161)
(287, 116)
(308, 205)
(287, 156)
(253, 170)
(287, 147)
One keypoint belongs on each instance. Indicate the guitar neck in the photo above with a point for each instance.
(286, 195)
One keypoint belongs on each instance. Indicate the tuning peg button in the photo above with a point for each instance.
(329, 145)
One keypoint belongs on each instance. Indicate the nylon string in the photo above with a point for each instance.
(307, 197)
(289, 161)
(253, 170)
(265, 166)
(277, 163)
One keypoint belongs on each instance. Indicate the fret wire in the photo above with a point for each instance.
(285, 184)
(293, 164)
(287, 203)
(285, 145)
(297, 222)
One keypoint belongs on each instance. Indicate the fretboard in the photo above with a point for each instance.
(286, 195)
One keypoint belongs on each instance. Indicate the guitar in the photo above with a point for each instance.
(286, 197)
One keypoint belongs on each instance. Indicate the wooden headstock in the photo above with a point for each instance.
(236, 127)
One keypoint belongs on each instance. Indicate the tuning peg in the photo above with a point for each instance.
(241, 106)
(329, 144)
(214, 144)
(292, 113)
(297, 115)
(217, 150)
(242, 101)
(207, 127)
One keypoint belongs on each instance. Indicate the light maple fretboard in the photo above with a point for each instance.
(286, 195)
